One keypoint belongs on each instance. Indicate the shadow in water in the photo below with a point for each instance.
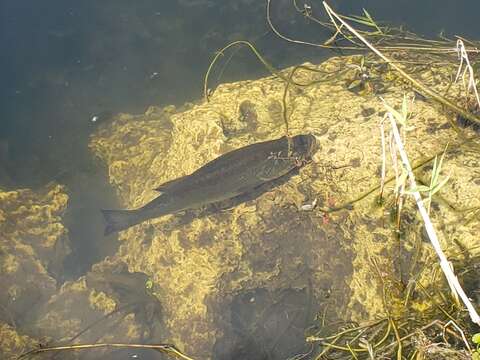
(266, 325)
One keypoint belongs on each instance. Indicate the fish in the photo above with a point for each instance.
(230, 175)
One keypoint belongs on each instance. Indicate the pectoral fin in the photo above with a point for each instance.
(274, 169)
(265, 176)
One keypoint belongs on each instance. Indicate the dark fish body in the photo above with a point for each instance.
(232, 174)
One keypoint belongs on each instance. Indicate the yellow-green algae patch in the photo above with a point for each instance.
(158, 137)
(200, 260)
(35, 219)
(75, 308)
(12, 344)
(33, 245)
(100, 301)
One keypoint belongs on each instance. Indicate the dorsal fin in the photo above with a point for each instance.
(170, 184)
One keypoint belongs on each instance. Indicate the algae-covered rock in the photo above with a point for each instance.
(34, 220)
(12, 344)
(204, 261)
(109, 304)
(33, 244)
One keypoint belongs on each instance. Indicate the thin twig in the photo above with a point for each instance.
(397, 337)
(454, 324)
(165, 348)
(325, 46)
(384, 159)
(463, 55)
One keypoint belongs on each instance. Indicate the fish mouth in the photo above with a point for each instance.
(309, 146)
(305, 146)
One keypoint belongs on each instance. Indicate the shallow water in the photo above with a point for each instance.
(63, 63)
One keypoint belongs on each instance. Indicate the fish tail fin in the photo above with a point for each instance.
(117, 220)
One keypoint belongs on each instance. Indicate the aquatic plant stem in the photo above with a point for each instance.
(422, 89)
(291, 40)
(221, 52)
(164, 348)
(384, 159)
(397, 337)
(445, 265)
(463, 55)
(275, 72)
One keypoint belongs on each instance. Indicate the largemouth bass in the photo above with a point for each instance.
(232, 174)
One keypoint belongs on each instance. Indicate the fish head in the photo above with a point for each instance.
(304, 147)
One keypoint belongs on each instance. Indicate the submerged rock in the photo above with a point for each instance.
(33, 245)
(109, 304)
(205, 259)
(12, 344)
